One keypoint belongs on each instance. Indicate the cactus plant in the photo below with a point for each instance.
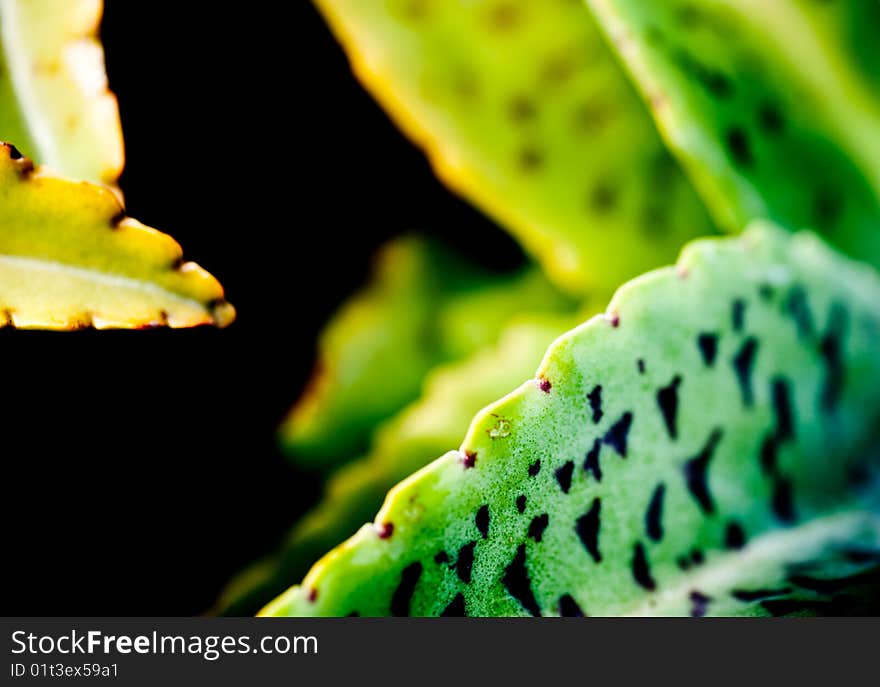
(668, 454)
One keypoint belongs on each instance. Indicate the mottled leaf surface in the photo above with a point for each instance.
(716, 406)
(423, 306)
(523, 110)
(54, 101)
(70, 258)
(452, 395)
(773, 106)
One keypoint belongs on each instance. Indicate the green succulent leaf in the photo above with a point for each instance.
(523, 110)
(785, 127)
(70, 258)
(54, 101)
(718, 427)
(453, 393)
(424, 306)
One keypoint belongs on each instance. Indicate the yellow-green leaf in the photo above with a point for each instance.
(70, 258)
(522, 109)
(54, 101)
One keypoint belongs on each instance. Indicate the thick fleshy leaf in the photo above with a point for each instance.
(452, 395)
(717, 406)
(770, 122)
(523, 110)
(423, 306)
(70, 258)
(54, 101)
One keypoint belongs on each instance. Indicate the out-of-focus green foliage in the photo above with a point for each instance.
(698, 449)
(772, 106)
(424, 306)
(522, 109)
(452, 395)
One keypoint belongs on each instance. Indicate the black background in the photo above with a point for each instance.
(140, 469)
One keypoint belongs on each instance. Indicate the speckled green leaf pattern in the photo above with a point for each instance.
(423, 306)
(523, 110)
(720, 414)
(772, 106)
(452, 395)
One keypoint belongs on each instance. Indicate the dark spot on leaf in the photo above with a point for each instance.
(654, 514)
(738, 146)
(827, 207)
(587, 528)
(734, 536)
(782, 409)
(617, 435)
(504, 16)
(798, 307)
(738, 314)
(667, 399)
(640, 364)
(595, 399)
(563, 476)
(535, 468)
(696, 473)
(819, 585)
(568, 607)
(683, 562)
(783, 500)
(699, 604)
(465, 562)
(602, 199)
(770, 118)
(456, 608)
(591, 462)
(862, 555)
(750, 595)
(641, 569)
(386, 530)
(538, 525)
(530, 160)
(743, 362)
(441, 558)
(312, 595)
(697, 557)
(830, 348)
(522, 109)
(14, 153)
(765, 291)
(708, 345)
(482, 520)
(516, 581)
(544, 385)
(521, 503)
(769, 448)
(469, 459)
(403, 594)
